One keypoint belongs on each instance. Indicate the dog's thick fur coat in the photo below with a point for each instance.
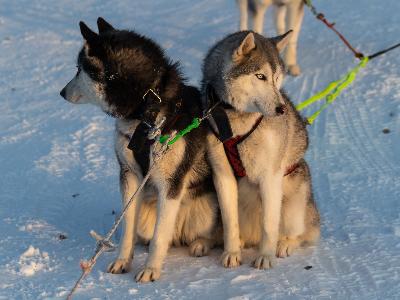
(178, 205)
(275, 212)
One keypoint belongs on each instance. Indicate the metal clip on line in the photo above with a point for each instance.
(156, 130)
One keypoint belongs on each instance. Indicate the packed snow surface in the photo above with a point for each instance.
(59, 176)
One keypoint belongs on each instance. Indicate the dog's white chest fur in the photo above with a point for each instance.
(263, 147)
(259, 150)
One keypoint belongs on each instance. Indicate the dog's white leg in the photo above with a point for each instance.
(243, 4)
(271, 195)
(280, 15)
(226, 187)
(129, 182)
(295, 19)
(167, 210)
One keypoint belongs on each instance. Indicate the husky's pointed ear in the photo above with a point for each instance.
(245, 47)
(281, 41)
(103, 25)
(89, 35)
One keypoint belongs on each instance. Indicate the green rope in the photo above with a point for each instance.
(332, 91)
(195, 123)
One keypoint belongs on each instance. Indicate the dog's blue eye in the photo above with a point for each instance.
(261, 77)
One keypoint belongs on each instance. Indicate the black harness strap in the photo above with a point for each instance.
(139, 143)
(219, 115)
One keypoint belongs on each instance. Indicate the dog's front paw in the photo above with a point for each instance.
(147, 275)
(264, 262)
(199, 247)
(294, 70)
(286, 247)
(231, 259)
(120, 266)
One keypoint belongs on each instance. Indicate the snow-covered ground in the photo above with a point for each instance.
(58, 174)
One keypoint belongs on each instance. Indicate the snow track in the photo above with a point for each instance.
(59, 176)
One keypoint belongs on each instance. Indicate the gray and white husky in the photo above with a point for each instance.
(128, 76)
(295, 12)
(275, 207)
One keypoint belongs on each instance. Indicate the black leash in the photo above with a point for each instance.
(379, 53)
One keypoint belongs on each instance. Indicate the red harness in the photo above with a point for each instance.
(232, 152)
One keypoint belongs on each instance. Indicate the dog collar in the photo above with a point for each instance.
(150, 109)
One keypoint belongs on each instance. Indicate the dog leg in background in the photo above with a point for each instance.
(271, 196)
(129, 182)
(295, 18)
(258, 11)
(227, 191)
(280, 19)
(243, 5)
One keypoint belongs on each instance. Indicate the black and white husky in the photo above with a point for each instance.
(129, 77)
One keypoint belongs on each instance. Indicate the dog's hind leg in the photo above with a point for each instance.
(201, 247)
(313, 224)
(201, 226)
(295, 19)
(310, 236)
(250, 214)
(300, 218)
(292, 223)
(128, 185)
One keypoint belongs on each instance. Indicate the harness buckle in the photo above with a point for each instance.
(154, 93)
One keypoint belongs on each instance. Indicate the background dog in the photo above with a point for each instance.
(116, 69)
(246, 72)
(289, 15)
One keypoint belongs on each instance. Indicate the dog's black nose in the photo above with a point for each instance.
(62, 93)
(280, 110)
